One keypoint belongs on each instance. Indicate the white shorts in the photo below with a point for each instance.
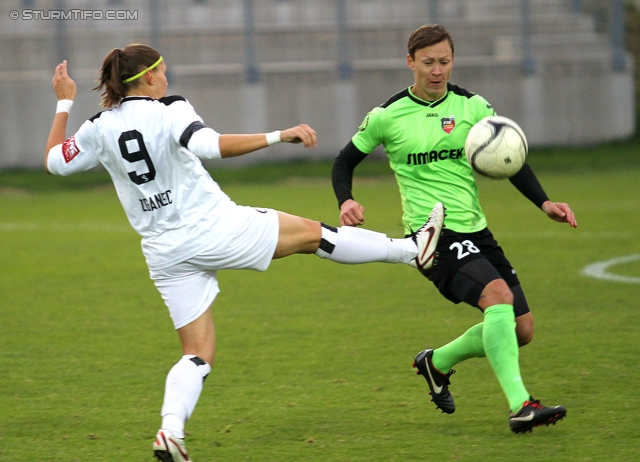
(190, 287)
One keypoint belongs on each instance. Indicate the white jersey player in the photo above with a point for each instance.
(151, 145)
(149, 148)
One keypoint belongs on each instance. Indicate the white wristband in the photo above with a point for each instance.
(64, 105)
(273, 137)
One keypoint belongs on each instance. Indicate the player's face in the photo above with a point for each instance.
(431, 68)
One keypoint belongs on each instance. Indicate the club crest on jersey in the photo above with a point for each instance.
(448, 124)
(70, 149)
(364, 124)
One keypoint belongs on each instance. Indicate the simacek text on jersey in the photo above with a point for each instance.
(433, 156)
(155, 202)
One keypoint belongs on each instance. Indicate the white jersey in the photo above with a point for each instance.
(149, 148)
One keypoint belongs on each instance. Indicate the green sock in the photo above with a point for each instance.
(501, 347)
(468, 345)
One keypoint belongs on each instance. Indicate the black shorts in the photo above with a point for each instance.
(466, 262)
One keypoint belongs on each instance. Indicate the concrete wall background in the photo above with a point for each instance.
(575, 96)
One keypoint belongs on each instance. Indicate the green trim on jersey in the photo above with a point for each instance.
(424, 142)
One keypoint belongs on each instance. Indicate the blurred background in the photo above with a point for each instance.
(563, 69)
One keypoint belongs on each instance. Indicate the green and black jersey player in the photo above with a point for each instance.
(423, 129)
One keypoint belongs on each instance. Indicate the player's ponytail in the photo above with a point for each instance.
(119, 69)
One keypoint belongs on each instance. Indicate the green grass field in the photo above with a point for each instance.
(314, 358)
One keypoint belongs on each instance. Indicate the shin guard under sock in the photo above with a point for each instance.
(468, 345)
(182, 390)
(501, 347)
(356, 245)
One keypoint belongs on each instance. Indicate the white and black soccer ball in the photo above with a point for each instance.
(496, 147)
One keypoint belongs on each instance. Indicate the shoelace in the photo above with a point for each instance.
(446, 377)
(533, 403)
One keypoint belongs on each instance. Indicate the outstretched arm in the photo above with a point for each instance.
(65, 89)
(351, 212)
(527, 183)
(237, 145)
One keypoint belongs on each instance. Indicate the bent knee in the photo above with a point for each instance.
(297, 235)
(497, 292)
(524, 329)
(524, 338)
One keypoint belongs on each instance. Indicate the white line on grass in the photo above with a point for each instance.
(64, 227)
(599, 270)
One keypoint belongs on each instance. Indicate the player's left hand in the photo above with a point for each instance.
(63, 85)
(561, 212)
(300, 134)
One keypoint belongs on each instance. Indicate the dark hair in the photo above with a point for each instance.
(426, 36)
(118, 66)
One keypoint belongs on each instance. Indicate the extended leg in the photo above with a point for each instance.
(343, 245)
(351, 245)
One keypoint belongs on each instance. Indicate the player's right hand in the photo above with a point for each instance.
(300, 134)
(63, 85)
(561, 212)
(351, 213)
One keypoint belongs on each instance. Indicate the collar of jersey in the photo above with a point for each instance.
(136, 98)
(428, 103)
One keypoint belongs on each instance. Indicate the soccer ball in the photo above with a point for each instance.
(496, 147)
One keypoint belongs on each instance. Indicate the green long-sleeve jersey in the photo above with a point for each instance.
(424, 141)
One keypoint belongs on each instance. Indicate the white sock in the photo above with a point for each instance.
(402, 250)
(356, 245)
(182, 390)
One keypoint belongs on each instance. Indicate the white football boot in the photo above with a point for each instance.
(168, 448)
(427, 237)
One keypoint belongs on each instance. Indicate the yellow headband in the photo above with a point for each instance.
(140, 74)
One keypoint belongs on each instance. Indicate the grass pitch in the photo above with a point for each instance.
(314, 358)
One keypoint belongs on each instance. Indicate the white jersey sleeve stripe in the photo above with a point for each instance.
(189, 131)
